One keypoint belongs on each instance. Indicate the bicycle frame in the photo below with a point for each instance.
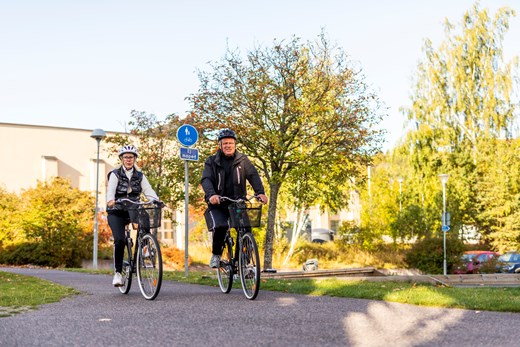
(244, 257)
(146, 258)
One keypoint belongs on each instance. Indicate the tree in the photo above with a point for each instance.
(463, 100)
(301, 112)
(9, 221)
(58, 218)
(159, 157)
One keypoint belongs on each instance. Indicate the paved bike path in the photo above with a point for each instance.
(194, 315)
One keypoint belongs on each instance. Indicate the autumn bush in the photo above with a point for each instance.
(53, 225)
(173, 258)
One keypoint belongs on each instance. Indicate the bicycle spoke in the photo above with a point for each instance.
(225, 269)
(126, 272)
(149, 270)
(249, 262)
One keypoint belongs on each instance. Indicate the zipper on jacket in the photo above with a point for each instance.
(218, 185)
(238, 174)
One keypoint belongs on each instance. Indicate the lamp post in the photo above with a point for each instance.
(444, 180)
(400, 180)
(97, 134)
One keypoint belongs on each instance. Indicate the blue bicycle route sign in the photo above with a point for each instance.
(187, 135)
(189, 153)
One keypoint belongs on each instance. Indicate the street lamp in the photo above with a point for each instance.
(444, 180)
(400, 180)
(97, 134)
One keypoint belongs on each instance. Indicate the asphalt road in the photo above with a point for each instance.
(193, 315)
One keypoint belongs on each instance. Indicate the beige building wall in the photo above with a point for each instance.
(32, 153)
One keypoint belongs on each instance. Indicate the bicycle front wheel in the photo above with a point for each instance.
(149, 266)
(225, 268)
(249, 264)
(126, 271)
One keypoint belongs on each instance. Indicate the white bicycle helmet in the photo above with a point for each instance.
(128, 149)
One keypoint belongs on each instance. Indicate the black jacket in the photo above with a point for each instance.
(213, 176)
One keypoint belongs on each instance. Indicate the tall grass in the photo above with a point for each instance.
(330, 255)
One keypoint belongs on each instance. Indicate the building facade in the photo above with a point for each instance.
(32, 153)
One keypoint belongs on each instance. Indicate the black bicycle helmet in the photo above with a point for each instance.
(226, 133)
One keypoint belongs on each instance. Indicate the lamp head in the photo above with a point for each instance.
(98, 134)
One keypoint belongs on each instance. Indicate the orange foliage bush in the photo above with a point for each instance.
(174, 258)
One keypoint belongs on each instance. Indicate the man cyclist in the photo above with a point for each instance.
(126, 181)
(225, 174)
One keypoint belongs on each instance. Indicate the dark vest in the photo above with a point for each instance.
(123, 183)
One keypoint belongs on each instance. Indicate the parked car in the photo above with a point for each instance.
(472, 261)
(321, 235)
(509, 262)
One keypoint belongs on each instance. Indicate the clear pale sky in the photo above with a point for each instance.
(88, 63)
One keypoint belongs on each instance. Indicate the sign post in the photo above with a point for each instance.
(187, 136)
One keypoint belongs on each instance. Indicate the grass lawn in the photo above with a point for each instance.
(20, 293)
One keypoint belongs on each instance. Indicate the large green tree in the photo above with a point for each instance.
(301, 111)
(463, 102)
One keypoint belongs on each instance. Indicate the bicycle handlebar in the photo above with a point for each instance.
(223, 198)
(140, 203)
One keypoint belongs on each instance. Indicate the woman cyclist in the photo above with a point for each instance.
(126, 181)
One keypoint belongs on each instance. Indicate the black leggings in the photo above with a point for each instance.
(218, 240)
(117, 222)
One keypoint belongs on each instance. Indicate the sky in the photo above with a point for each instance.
(88, 63)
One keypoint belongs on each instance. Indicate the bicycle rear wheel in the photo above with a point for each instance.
(126, 272)
(225, 269)
(149, 266)
(249, 264)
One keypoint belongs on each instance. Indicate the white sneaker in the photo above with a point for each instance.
(215, 261)
(146, 254)
(118, 280)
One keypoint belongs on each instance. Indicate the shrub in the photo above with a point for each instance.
(427, 255)
(38, 254)
(174, 257)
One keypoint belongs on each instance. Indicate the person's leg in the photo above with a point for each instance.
(218, 240)
(218, 218)
(117, 225)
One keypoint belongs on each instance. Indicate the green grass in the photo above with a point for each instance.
(423, 294)
(20, 293)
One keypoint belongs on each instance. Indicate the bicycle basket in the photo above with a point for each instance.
(147, 216)
(245, 214)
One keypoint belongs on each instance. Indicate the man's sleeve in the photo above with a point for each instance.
(253, 177)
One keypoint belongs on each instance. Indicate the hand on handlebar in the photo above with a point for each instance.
(262, 198)
(214, 199)
(159, 203)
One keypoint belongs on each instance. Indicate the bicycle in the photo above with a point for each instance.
(246, 262)
(146, 260)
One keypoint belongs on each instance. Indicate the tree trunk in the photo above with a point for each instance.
(299, 223)
(269, 234)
